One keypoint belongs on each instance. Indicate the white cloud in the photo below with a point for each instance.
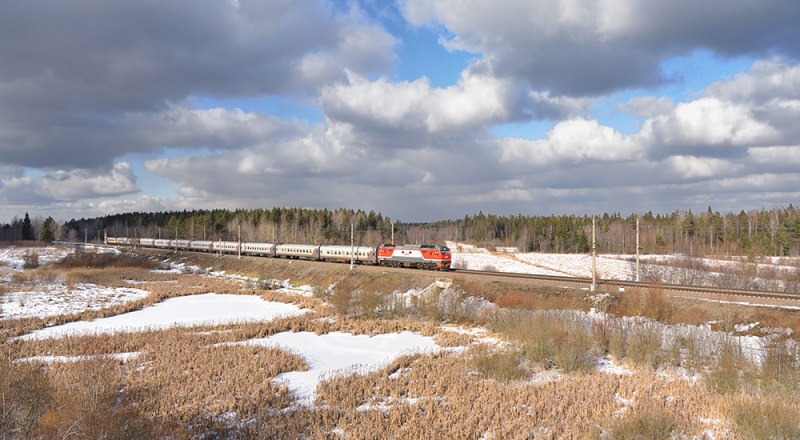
(589, 47)
(709, 123)
(475, 101)
(70, 185)
(692, 167)
(571, 142)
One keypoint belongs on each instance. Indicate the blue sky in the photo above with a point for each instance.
(420, 109)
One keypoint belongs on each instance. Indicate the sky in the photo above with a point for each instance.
(420, 109)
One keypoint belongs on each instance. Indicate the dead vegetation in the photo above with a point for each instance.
(189, 382)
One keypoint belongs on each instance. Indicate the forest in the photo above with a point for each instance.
(774, 232)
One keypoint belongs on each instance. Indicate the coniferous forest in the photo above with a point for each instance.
(755, 232)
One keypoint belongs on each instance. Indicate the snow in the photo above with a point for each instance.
(55, 299)
(741, 328)
(742, 303)
(608, 366)
(206, 309)
(339, 353)
(15, 257)
(609, 266)
(122, 357)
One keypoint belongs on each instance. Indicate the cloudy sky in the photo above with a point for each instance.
(420, 109)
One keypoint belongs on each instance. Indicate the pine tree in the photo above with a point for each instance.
(48, 228)
(27, 228)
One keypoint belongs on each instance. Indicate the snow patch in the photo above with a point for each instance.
(206, 309)
(55, 299)
(337, 353)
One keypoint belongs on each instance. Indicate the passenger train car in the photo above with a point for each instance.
(422, 256)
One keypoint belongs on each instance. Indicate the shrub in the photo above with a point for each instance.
(646, 422)
(780, 370)
(100, 261)
(503, 365)
(548, 339)
(771, 417)
(25, 396)
(31, 260)
(726, 375)
(651, 303)
(643, 346)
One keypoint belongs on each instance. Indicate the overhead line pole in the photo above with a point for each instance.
(637, 248)
(352, 261)
(594, 257)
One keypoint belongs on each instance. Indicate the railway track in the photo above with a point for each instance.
(619, 283)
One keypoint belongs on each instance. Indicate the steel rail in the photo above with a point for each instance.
(621, 283)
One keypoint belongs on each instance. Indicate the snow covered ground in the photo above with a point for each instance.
(15, 256)
(206, 309)
(55, 299)
(339, 353)
(609, 266)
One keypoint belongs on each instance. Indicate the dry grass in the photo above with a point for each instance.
(449, 401)
(651, 303)
(501, 364)
(183, 380)
(646, 421)
(768, 416)
(548, 338)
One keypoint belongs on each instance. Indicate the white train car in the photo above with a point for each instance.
(363, 254)
(200, 245)
(161, 243)
(307, 251)
(225, 246)
(111, 240)
(266, 249)
(146, 242)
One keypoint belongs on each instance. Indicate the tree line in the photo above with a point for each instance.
(756, 232)
(27, 229)
(287, 225)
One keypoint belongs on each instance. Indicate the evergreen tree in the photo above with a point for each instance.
(27, 228)
(48, 230)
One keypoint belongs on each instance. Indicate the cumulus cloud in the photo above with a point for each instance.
(71, 74)
(414, 107)
(586, 47)
(69, 185)
(573, 142)
(691, 166)
(709, 124)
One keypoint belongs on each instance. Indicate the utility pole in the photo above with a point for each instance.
(392, 232)
(352, 257)
(176, 239)
(240, 241)
(637, 248)
(594, 257)
(85, 236)
(159, 232)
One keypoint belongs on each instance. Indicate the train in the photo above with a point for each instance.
(419, 256)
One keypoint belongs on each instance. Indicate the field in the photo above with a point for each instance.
(188, 345)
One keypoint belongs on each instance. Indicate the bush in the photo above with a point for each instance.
(503, 365)
(31, 260)
(643, 346)
(93, 260)
(646, 422)
(726, 375)
(773, 417)
(651, 303)
(552, 340)
(26, 396)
